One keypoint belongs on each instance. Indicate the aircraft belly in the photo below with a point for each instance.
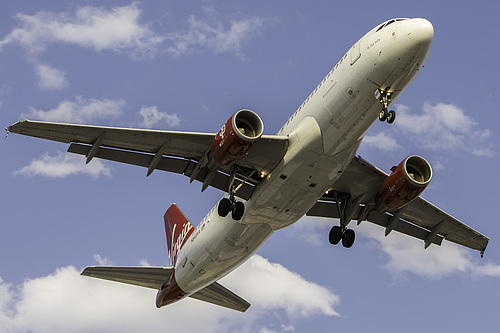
(222, 246)
(324, 134)
(295, 187)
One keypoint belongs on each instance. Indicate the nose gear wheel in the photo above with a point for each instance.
(384, 96)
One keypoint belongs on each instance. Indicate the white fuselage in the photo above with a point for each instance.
(324, 134)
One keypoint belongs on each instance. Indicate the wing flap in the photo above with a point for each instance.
(170, 164)
(175, 165)
(424, 213)
(148, 277)
(216, 294)
(329, 209)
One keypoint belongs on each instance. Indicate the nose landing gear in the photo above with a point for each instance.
(384, 97)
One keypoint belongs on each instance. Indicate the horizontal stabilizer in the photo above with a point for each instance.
(148, 277)
(218, 295)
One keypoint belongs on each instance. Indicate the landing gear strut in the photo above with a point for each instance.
(226, 205)
(346, 209)
(384, 97)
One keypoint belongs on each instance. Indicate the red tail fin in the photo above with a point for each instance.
(178, 230)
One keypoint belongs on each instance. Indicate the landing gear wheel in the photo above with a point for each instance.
(335, 235)
(238, 210)
(224, 207)
(382, 115)
(384, 96)
(348, 238)
(347, 209)
(391, 116)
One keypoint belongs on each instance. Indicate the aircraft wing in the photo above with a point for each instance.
(171, 151)
(419, 218)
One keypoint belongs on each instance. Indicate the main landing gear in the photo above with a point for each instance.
(347, 208)
(384, 96)
(226, 205)
(342, 233)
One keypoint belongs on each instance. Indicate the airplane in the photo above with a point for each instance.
(309, 167)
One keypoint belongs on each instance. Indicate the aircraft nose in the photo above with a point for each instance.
(421, 32)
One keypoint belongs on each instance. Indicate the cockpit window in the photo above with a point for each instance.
(390, 22)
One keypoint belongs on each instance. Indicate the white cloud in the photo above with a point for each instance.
(406, 254)
(314, 230)
(98, 28)
(270, 286)
(151, 117)
(50, 78)
(382, 141)
(63, 165)
(444, 126)
(120, 29)
(488, 269)
(210, 33)
(67, 302)
(102, 261)
(79, 111)
(440, 127)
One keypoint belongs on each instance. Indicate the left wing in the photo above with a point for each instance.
(419, 218)
(171, 151)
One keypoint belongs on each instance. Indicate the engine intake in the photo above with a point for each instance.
(236, 137)
(406, 182)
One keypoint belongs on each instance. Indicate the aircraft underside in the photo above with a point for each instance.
(308, 168)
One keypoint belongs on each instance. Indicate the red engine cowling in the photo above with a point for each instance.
(236, 137)
(406, 182)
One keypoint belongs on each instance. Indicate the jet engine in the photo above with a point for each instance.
(234, 140)
(236, 137)
(406, 182)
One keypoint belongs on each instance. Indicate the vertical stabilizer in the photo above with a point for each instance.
(178, 230)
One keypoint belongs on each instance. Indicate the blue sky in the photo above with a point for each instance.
(189, 66)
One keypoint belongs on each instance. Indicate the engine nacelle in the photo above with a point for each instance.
(406, 182)
(236, 137)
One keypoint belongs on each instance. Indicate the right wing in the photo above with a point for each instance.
(420, 218)
(172, 151)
